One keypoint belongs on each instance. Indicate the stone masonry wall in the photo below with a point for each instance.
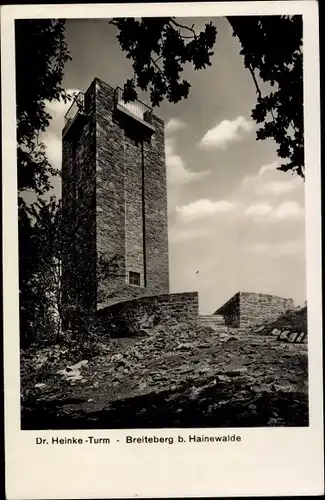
(231, 311)
(85, 234)
(79, 201)
(256, 308)
(134, 227)
(247, 309)
(156, 221)
(110, 237)
(125, 317)
(68, 204)
(131, 203)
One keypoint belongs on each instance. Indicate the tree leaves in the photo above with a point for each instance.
(272, 51)
(41, 54)
(159, 48)
(271, 47)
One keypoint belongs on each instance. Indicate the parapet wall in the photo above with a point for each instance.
(130, 316)
(256, 308)
(247, 309)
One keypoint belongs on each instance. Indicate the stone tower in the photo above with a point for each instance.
(114, 200)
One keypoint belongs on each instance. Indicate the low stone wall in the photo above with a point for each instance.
(231, 311)
(247, 309)
(257, 308)
(130, 317)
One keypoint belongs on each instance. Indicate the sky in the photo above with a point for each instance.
(235, 222)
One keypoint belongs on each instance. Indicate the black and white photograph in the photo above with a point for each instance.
(161, 222)
(161, 206)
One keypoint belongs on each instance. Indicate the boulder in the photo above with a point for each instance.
(185, 346)
(300, 337)
(292, 336)
(236, 372)
(283, 335)
(78, 365)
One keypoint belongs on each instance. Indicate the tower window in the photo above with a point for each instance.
(134, 278)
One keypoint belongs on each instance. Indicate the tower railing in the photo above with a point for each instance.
(136, 108)
(77, 106)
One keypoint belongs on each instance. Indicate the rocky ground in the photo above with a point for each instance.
(179, 375)
(290, 326)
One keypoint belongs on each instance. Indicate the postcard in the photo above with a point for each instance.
(162, 250)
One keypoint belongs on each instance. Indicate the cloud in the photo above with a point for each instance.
(53, 149)
(265, 171)
(258, 209)
(270, 180)
(271, 167)
(290, 248)
(279, 249)
(277, 187)
(177, 173)
(260, 198)
(260, 247)
(173, 125)
(57, 109)
(253, 238)
(203, 208)
(225, 132)
(289, 210)
(270, 186)
(184, 234)
(52, 136)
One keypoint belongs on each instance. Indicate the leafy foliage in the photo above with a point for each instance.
(41, 54)
(159, 48)
(53, 303)
(272, 50)
(271, 47)
(39, 300)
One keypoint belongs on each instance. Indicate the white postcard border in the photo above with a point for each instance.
(277, 461)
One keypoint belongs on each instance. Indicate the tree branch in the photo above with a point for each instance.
(258, 90)
(159, 69)
(186, 37)
(156, 60)
(172, 20)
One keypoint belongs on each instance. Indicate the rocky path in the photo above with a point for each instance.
(181, 375)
